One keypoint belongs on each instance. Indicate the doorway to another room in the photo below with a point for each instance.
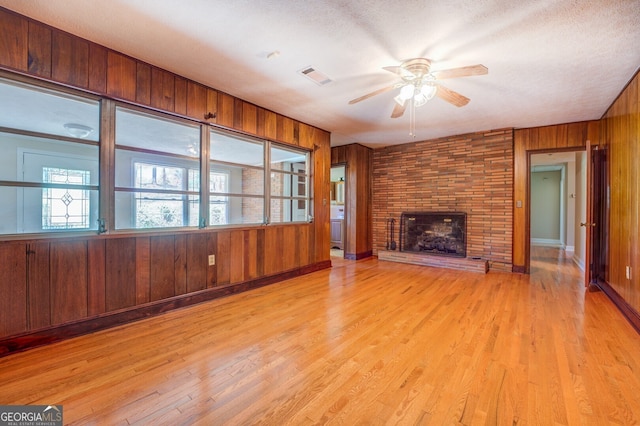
(337, 214)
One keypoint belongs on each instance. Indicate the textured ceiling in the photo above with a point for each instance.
(549, 61)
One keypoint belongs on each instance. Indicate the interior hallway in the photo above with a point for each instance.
(367, 342)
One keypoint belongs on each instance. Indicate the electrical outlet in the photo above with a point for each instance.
(628, 272)
(212, 259)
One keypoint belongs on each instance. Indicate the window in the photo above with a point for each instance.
(49, 167)
(236, 183)
(289, 185)
(157, 167)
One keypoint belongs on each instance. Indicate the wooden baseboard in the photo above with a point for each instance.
(518, 269)
(358, 256)
(627, 310)
(57, 333)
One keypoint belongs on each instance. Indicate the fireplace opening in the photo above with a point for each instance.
(438, 233)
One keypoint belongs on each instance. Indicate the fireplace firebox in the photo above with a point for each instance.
(438, 233)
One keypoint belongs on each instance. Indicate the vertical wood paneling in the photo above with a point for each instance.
(273, 250)
(180, 264)
(120, 282)
(260, 252)
(250, 254)
(307, 136)
(290, 248)
(196, 100)
(39, 289)
(96, 269)
(212, 248)
(236, 255)
(226, 104)
(180, 104)
(304, 245)
(197, 261)
(287, 130)
(162, 283)
(97, 68)
(39, 50)
(223, 258)
(162, 89)
(321, 190)
(70, 61)
(68, 281)
(249, 118)
(143, 269)
(267, 124)
(14, 46)
(143, 83)
(121, 76)
(238, 110)
(13, 289)
(212, 106)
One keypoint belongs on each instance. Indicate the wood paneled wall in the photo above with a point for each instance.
(358, 198)
(572, 136)
(621, 133)
(49, 282)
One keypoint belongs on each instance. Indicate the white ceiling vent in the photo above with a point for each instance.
(315, 76)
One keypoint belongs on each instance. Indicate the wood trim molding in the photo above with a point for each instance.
(58, 333)
(627, 310)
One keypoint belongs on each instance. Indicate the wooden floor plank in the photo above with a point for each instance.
(366, 342)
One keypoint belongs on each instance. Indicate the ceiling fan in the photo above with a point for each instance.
(418, 84)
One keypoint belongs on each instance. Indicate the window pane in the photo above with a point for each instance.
(288, 160)
(235, 210)
(231, 148)
(288, 210)
(138, 130)
(160, 158)
(36, 109)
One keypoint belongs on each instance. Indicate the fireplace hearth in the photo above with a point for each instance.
(437, 233)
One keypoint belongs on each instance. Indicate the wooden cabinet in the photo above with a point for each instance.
(337, 233)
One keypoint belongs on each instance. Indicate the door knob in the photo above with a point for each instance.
(587, 224)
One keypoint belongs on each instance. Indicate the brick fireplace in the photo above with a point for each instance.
(470, 173)
(434, 233)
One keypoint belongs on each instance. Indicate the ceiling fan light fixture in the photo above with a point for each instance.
(407, 91)
(428, 91)
(399, 100)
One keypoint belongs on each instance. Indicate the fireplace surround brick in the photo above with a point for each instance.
(471, 173)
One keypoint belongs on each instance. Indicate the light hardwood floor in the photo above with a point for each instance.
(366, 342)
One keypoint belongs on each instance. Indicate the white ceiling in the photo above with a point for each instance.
(549, 61)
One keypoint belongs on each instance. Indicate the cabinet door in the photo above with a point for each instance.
(336, 233)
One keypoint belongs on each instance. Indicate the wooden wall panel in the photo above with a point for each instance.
(308, 136)
(236, 255)
(162, 89)
(249, 118)
(197, 261)
(70, 60)
(14, 36)
(267, 124)
(290, 248)
(97, 68)
(225, 115)
(96, 275)
(68, 281)
(120, 277)
(121, 76)
(273, 247)
(180, 103)
(223, 258)
(287, 130)
(196, 100)
(143, 83)
(180, 263)
(143, 267)
(212, 248)
(212, 106)
(13, 288)
(162, 282)
(250, 254)
(39, 290)
(304, 252)
(39, 50)
(321, 198)
(238, 112)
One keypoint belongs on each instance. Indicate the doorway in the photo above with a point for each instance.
(558, 203)
(338, 215)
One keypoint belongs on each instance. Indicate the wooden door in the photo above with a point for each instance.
(597, 220)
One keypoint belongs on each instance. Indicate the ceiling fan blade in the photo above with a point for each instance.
(452, 97)
(398, 109)
(402, 72)
(372, 94)
(460, 72)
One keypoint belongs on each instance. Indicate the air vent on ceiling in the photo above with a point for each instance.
(315, 76)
